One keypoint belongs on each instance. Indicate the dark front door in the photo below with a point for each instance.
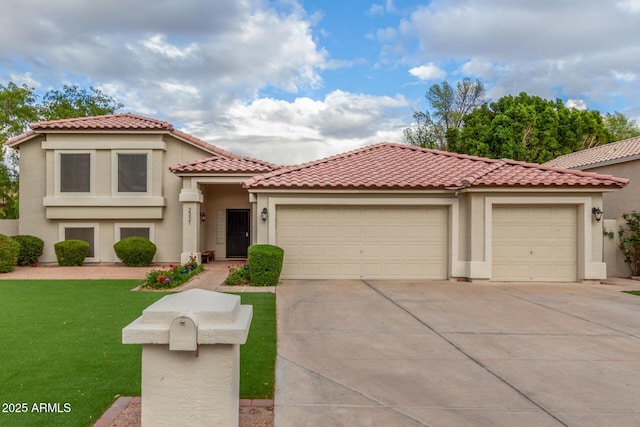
(237, 233)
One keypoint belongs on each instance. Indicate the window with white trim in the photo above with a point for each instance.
(135, 232)
(75, 172)
(82, 233)
(132, 169)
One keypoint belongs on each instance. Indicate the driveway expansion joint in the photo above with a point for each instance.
(469, 356)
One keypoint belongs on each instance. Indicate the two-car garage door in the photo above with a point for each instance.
(353, 242)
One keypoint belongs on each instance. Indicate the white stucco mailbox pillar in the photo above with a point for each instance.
(191, 358)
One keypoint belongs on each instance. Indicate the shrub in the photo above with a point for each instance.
(238, 274)
(172, 277)
(135, 251)
(31, 248)
(630, 241)
(265, 264)
(9, 251)
(71, 252)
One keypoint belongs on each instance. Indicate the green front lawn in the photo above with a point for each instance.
(62, 360)
(632, 292)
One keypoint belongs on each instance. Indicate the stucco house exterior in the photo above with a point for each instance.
(621, 158)
(386, 211)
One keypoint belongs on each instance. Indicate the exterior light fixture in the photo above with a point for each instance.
(597, 214)
(203, 216)
(264, 214)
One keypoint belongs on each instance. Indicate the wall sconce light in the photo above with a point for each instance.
(203, 216)
(264, 214)
(597, 214)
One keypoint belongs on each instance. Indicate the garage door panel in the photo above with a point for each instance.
(534, 243)
(372, 242)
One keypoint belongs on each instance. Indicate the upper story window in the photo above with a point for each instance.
(75, 172)
(132, 173)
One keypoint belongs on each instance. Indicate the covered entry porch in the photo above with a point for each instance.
(218, 218)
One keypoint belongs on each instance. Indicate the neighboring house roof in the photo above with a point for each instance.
(615, 152)
(124, 122)
(398, 166)
(223, 165)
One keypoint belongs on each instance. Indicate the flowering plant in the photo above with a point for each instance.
(173, 276)
(238, 274)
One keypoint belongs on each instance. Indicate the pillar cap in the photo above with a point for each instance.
(221, 318)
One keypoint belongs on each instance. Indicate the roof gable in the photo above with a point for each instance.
(396, 166)
(615, 152)
(219, 164)
(124, 123)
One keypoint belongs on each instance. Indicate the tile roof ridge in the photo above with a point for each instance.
(221, 158)
(293, 168)
(566, 171)
(23, 136)
(467, 181)
(43, 123)
(575, 156)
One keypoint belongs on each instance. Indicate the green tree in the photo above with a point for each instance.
(620, 126)
(72, 102)
(439, 127)
(529, 128)
(19, 106)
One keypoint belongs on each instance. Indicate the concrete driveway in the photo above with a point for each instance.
(391, 353)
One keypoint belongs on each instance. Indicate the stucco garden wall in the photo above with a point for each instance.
(613, 257)
(9, 227)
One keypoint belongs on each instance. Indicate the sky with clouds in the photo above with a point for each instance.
(294, 80)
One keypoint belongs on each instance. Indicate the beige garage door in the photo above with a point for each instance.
(534, 243)
(363, 242)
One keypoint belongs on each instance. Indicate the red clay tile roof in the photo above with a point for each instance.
(223, 165)
(615, 152)
(397, 166)
(125, 122)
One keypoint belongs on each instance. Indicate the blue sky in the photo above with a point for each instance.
(295, 80)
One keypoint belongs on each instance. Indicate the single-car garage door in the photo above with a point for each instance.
(534, 243)
(363, 242)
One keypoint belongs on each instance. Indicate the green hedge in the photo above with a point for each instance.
(135, 251)
(9, 251)
(265, 264)
(71, 252)
(31, 248)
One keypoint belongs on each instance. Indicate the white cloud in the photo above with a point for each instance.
(547, 48)
(578, 104)
(268, 128)
(428, 72)
(376, 10)
(479, 68)
(158, 44)
(632, 6)
(624, 77)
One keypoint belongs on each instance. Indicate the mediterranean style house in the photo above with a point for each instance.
(386, 211)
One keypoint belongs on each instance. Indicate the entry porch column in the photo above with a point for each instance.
(191, 199)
